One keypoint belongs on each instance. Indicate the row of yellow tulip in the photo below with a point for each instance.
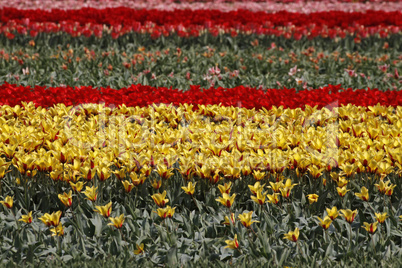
(72, 143)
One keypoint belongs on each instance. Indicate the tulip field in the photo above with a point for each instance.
(201, 133)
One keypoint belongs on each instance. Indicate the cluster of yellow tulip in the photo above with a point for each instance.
(211, 142)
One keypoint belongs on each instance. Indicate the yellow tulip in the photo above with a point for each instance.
(256, 187)
(232, 219)
(156, 184)
(128, 186)
(348, 214)
(51, 219)
(117, 221)
(232, 244)
(245, 219)
(160, 199)
(226, 200)
(292, 235)
(260, 198)
(8, 202)
(276, 186)
(165, 212)
(190, 188)
(225, 188)
(58, 230)
(332, 213)
(390, 189)
(66, 199)
(342, 191)
(273, 198)
(285, 192)
(139, 250)
(104, 210)
(77, 186)
(325, 223)
(312, 198)
(90, 193)
(382, 186)
(363, 195)
(258, 175)
(381, 217)
(26, 218)
(370, 227)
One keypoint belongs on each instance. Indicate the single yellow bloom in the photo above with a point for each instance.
(245, 219)
(166, 212)
(232, 244)
(342, 182)
(58, 230)
(51, 219)
(232, 219)
(381, 217)
(190, 188)
(363, 195)
(312, 198)
(382, 186)
(289, 184)
(90, 193)
(156, 184)
(292, 235)
(276, 186)
(348, 214)
(66, 199)
(256, 187)
(390, 189)
(258, 175)
(128, 186)
(225, 188)
(325, 223)
(117, 222)
(273, 198)
(140, 249)
(8, 202)
(226, 200)
(77, 186)
(260, 198)
(370, 227)
(342, 191)
(285, 191)
(26, 218)
(332, 213)
(160, 199)
(104, 210)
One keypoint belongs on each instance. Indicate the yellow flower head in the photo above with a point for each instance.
(225, 188)
(232, 244)
(260, 198)
(156, 184)
(276, 186)
(51, 219)
(363, 195)
(77, 187)
(66, 199)
(285, 192)
(58, 230)
(312, 198)
(292, 235)
(190, 188)
(342, 182)
(226, 200)
(382, 186)
(140, 249)
(104, 210)
(166, 212)
(381, 217)
(160, 199)
(26, 218)
(370, 227)
(232, 219)
(258, 175)
(128, 186)
(390, 189)
(8, 202)
(325, 223)
(91, 193)
(256, 187)
(332, 213)
(245, 219)
(117, 222)
(348, 214)
(273, 198)
(342, 191)
(289, 184)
